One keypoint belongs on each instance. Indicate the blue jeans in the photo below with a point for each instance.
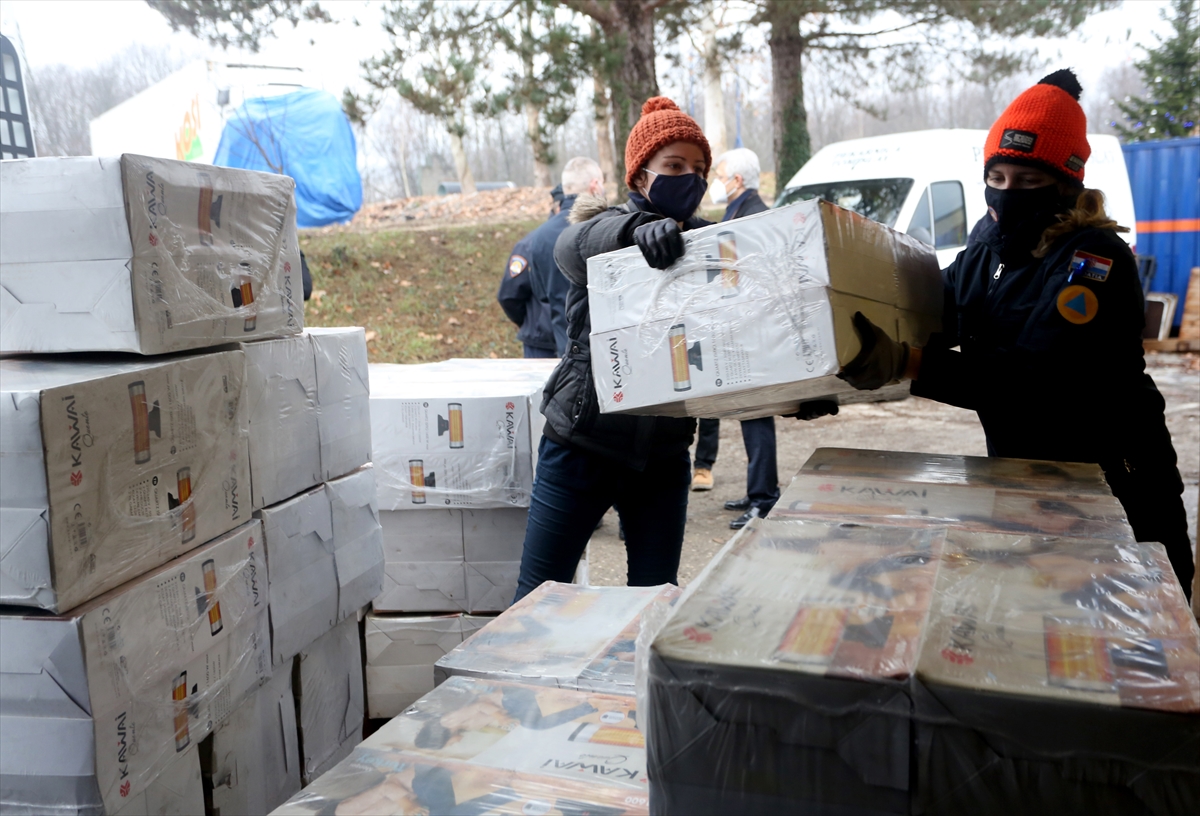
(574, 489)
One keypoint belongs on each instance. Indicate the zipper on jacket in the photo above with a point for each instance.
(997, 273)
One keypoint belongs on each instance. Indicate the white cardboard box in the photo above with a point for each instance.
(357, 539)
(302, 571)
(423, 561)
(493, 541)
(401, 651)
(252, 762)
(109, 469)
(102, 702)
(178, 790)
(144, 255)
(281, 392)
(324, 558)
(329, 699)
(446, 439)
(756, 317)
(343, 391)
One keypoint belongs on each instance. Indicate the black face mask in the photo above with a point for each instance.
(1021, 214)
(676, 197)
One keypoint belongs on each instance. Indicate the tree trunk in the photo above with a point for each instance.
(789, 119)
(541, 157)
(714, 93)
(603, 120)
(460, 162)
(634, 81)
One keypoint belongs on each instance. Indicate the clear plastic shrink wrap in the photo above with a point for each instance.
(343, 397)
(144, 255)
(561, 635)
(1057, 677)
(756, 316)
(444, 439)
(1016, 496)
(108, 469)
(563, 733)
(96, 706)
(1074, 478)
(370, 783)
(757, 700)
(485, 746)
(838, 668)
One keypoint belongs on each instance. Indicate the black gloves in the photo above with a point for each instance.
(660, 241)
(882, 360)
(814, 409)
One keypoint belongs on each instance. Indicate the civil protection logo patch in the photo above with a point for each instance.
(1078, 304)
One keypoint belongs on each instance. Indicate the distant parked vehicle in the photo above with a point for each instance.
(929, 183)
(454, 188)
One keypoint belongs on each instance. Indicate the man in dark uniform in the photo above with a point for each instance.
(736, 186)
(533, 292)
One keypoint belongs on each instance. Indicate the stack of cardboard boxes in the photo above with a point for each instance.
(535, 714)
(928, 657)
(146, 502)
(454, 448)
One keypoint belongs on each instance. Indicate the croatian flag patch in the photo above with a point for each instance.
(1087, 265)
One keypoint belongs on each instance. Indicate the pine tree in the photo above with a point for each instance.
(1171, 107)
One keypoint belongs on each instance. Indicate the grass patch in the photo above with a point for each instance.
(423, 295)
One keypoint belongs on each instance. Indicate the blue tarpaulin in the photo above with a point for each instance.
(305, 135)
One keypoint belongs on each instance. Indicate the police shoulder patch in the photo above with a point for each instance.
(516, 265)
(1087, 265)
(1078, 304)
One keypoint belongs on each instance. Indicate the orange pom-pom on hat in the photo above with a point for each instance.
(1045, 128)
(662, 122)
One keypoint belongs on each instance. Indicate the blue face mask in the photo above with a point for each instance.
(676, 197)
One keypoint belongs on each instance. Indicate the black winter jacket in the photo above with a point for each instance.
(1051, 352)
(569, 402)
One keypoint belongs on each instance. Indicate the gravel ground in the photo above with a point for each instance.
(914, 425)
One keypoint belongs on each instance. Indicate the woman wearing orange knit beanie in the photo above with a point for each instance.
(588, 461)
(1042, 330)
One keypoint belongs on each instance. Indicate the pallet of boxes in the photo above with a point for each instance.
(535, 712)
(188, 526)
(909, 633)
(454, 448)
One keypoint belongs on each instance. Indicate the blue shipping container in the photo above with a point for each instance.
(1165, 177)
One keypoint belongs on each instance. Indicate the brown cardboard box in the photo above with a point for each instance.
(112, 468)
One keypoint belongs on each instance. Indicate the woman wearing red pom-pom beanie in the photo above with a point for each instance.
(1046, 311)
(588, 461)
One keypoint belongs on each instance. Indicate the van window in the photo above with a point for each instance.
(921, 227)
(941, 216)
(877, 199)
(949, 214)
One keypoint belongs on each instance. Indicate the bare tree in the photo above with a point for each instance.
(64, 99)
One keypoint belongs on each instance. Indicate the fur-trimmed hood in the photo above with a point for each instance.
(586, 207)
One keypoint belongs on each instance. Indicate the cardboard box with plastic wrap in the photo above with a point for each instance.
(372, 781)
(328, 684)
(1057, 674)
(251, 763)
(144, 255)
(98, 705)
(553, 732)
(451, 560)
(893, 669)
(756, 316)
(109, 469)
(446, 436)
(324, 559)
(791, 653)
(308, 410)
(561, 635)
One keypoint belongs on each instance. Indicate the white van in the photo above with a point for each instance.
(929, 183)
